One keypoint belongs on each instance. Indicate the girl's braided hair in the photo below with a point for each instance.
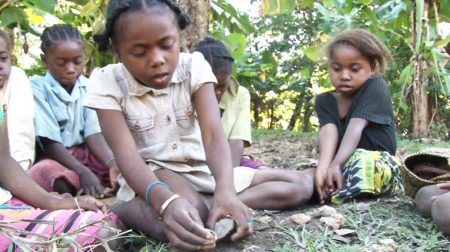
(216, 53)
(118, 7)
(366, 43)
(60, 32)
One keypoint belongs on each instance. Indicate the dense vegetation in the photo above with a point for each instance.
(278, 56)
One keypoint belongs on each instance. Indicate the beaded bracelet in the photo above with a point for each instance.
(167, 203)
(150, 187)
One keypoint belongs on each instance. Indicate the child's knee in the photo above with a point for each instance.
(199, 203)
(423, 199)
(440, 212)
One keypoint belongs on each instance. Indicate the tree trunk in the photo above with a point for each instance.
(307, 115)
(420, 109)
(419, 99)
(198, 10)
(295, 113)
(256, 102)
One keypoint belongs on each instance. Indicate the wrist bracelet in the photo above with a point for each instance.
(167, 203)
(150, 187)
(109, 161)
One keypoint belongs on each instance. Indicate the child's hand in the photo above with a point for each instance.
(319, 181)
(334, 179)
(113, 174)
(445, 186)
(89, 201)
(83, 202)
(228, 204)
(90, 185)
(184, 228)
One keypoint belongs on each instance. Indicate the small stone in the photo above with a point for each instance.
(300, 218)
(388, 243)
(265, 219)
(223, 227)
(324, 211)
(335, 221)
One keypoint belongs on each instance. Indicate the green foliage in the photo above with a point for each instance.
(28, 18)
(391, 22)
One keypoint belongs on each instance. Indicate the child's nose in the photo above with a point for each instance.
(157, 58)
(71, 68)
(345, 75)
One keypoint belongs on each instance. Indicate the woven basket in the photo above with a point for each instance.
(427, 167)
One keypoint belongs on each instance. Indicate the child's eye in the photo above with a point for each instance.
(355, 70)
(168, 44)
(4, 58)
(60, 63)
(138, 53)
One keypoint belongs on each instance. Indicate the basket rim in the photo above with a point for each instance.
(438, 153)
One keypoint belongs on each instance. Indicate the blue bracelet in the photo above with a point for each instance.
(150, 187)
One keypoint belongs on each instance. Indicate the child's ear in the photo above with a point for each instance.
(44, 61)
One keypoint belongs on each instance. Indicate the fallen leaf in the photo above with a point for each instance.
(300, 218)
(344, 231)
(362, 207)
(253, 248)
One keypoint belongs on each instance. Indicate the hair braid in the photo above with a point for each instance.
(118, 7)
(60, 32)
(216, 53)
(183, 19)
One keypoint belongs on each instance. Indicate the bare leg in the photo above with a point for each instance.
(272, 189)
(440, 212)
(423, 199)
(137, 215)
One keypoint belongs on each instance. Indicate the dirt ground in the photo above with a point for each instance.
(388, 223)
(275, 230)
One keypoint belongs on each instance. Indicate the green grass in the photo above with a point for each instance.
(263, 133)
(142, 243)
(391, 218)
(412, 145)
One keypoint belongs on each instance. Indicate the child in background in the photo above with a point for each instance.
(146, 107)
(234, 100)
(16, 97)
(76, 158)
(24, 189)
(357, 140)
(433, 201)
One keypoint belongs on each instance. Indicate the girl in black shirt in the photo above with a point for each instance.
(357, 130)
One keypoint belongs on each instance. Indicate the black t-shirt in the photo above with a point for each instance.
(373, 103)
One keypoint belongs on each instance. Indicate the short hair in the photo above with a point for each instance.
(366, 43)
(216, 53)
(58, 33)
(119, 7)
(5, 36)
